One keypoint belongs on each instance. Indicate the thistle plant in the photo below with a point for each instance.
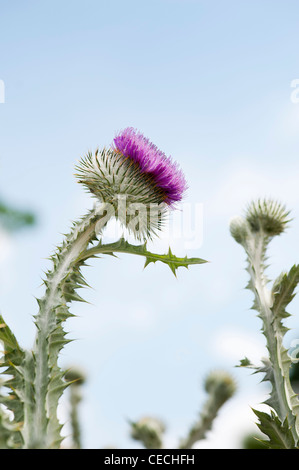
(220, 387)
(149, 431)
(132, 181)
(264, 220)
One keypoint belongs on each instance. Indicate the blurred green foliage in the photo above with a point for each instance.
(252, 441)
(14, 219)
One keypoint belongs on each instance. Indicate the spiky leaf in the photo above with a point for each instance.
(122, 246)
(246, 363)
(284, 291)
(13, 359)
(279, 434)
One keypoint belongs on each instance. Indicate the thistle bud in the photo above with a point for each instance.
(269, 216)
(221, 385)
(239, 229)
(76, 376)
(149, 431)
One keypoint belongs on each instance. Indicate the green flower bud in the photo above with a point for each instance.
(149, 431)
(269, 216)
(239, 229)
(220, 384)
(75, 375)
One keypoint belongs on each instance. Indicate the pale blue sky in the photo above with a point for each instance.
(209, 83)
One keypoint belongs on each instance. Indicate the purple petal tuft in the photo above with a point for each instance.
(165, 173)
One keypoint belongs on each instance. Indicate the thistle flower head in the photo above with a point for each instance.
(136, 179)
(267, 215)
(164, 173)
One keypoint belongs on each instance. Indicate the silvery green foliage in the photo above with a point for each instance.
(35, 381)
(264, 220)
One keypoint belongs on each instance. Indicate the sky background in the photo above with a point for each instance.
(209, 82)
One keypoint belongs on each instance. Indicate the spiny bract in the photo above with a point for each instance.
(136, 180)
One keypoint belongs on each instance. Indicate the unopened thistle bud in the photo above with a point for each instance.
(136, 179)
(149, 431)
(221, 385)
(269, 216)
(75, 375)
(239, 229)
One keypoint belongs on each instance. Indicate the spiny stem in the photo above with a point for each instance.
(199, 430)
(44, 430)
(255, 248)
(264, 220)
(220, 387)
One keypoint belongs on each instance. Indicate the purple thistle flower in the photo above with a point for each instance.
(136, 180)
(165, 173)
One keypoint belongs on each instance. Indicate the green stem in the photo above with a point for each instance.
(220, 387)
(44, 431)
(199, 430)
(75, 398)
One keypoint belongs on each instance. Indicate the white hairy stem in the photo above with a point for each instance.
(41, 433)
(283, 398)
